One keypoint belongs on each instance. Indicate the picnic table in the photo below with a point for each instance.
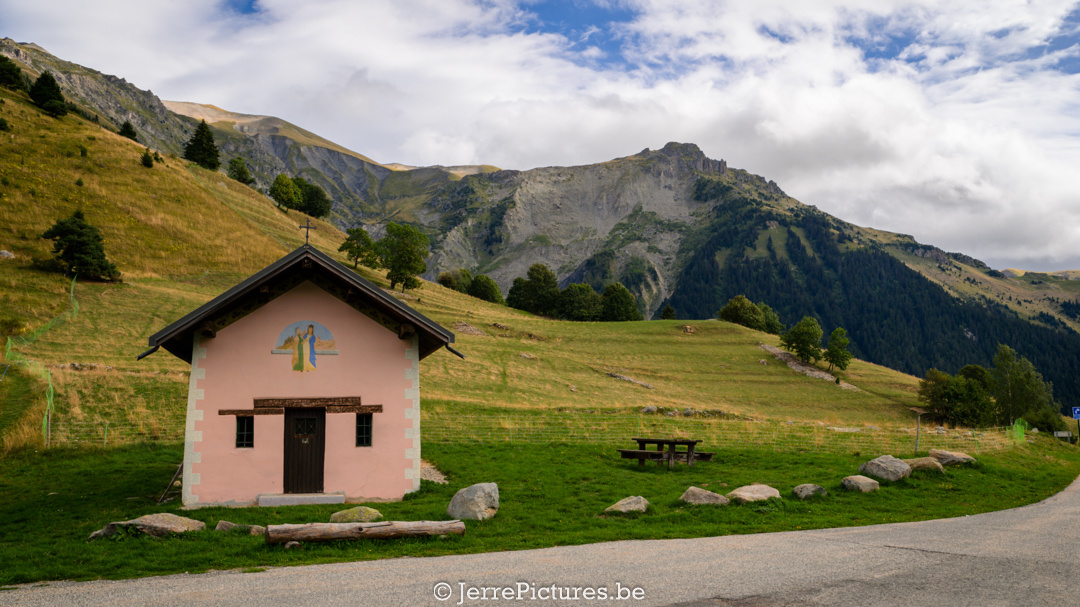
(667, 450)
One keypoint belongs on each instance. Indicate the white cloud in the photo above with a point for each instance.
(961, 133)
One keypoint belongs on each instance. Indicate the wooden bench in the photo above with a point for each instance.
(666, 451)
(645, 454)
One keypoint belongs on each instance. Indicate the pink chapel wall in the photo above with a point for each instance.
(238, 367)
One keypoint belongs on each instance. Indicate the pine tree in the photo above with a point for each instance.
(201, 148)
(126, 130)
(668, 313)
(45, 89)
(11, 77)
(147, 159)
(80, 247)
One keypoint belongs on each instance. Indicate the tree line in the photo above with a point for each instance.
(1011, 389)
(803, 340)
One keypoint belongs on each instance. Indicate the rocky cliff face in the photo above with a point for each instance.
(620, 220)
(113, 99)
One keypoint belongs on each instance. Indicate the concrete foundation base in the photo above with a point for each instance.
(297, 499)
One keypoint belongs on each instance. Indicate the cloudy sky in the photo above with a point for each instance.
(957, 122)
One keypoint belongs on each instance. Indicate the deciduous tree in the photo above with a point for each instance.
(804, 340)
(538, 292)
(836, 352)
(619, 304)
(402, 252)
(238, 170)
(359, 248)
(483, 287)
(284, 192)
(580, 302)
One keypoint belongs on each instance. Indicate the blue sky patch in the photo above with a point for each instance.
(585, 24)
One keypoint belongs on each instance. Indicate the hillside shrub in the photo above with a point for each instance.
(459, 280)
(4, 125)
(147, 159)
(55, 108)
(483, 287)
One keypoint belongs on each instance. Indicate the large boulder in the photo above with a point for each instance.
(634, 503)
(477, 503)
(807, 491)
(699, 496)
(752, 493)
(925, 463)
(951, 458)
(157, 525)
(860, 483)
(362, 514)
(886, 468)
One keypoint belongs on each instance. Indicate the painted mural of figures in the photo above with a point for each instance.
(303, 341)
(309, 341)
(299, 345)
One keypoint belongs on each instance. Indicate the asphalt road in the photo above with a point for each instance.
(1025, 556)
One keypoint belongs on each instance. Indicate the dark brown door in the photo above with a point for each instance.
(305, 435)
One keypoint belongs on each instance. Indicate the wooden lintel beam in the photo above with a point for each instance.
(354, 409)
(251, 412)
(334, 401)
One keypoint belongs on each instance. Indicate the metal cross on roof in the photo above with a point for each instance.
(307, 226)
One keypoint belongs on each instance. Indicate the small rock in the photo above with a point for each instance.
(1034, 430)
(669, 413)
(291, 545)
(225, 526)
(761, 361)
(478, 502)
(698, 496)
(752, 493)
(925, 463)
(687, 329)
(629, 504)
(359, 514)
(157, 525)
(688, 412)
(573, 388)
(527, 356)
(178, 484)
(886, 468)
(807, 491)
(860, 483)
(7, 255)
(648, 409)
(951, 458)
(499, 325)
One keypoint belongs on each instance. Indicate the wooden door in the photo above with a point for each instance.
(305, 437)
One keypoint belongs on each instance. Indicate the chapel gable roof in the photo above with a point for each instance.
(304, 264)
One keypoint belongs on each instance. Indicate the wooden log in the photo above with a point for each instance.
(384, 530)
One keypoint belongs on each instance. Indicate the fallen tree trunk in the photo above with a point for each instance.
(386, 530)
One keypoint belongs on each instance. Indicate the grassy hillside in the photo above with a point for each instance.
(181, 235)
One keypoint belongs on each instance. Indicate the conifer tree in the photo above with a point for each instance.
(201, 148)
(80, 247)
(618, 304)
(45, 89)
(126, 130)
(11, 77)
